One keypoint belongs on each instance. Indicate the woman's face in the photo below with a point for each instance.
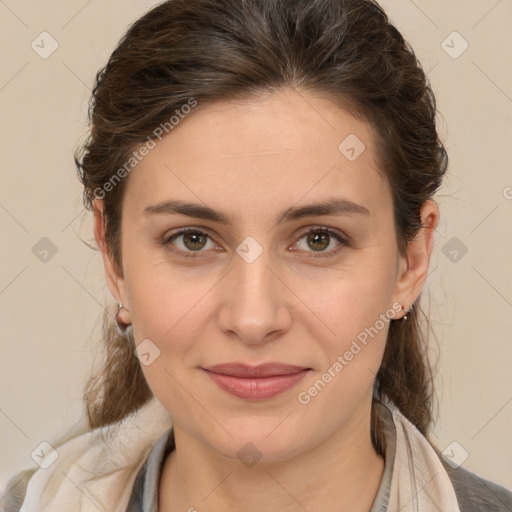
(258, 286)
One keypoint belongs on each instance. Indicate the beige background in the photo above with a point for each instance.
(50, 310)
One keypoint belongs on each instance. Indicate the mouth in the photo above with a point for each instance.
(256, 382)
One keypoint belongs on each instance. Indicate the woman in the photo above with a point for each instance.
(261, 175)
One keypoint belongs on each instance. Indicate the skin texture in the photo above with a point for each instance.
(252, 160)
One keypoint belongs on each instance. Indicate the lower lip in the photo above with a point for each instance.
(256, 388)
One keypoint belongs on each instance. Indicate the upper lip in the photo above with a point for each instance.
(261, 370)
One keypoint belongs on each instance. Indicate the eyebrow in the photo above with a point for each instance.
(332, 206)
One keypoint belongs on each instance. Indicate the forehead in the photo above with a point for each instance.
(281, 149)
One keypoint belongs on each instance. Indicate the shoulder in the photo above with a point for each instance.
(107, 459)
(475, 494)
(14, 493)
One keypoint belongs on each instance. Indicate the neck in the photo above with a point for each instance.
(343, 473)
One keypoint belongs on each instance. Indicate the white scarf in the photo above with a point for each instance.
(117, 452)
(419, 482)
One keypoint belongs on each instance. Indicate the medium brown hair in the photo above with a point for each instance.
(345, 50)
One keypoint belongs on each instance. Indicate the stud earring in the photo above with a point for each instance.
(122, 325)
(406, 311)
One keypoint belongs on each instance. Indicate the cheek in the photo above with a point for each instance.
(161, 293)
(351, 299)
(352, 335)
(169, 310)
(167, 305)
(355, 309)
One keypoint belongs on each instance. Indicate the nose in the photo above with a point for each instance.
(254, 307)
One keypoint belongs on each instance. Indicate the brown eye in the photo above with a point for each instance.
(318, 240)
(194, 241)
(189, 241)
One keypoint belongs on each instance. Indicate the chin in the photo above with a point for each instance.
(256, 441)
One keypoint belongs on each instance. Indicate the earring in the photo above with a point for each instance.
(122, 325)
(406, 311)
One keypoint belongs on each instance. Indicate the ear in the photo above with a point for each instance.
(413, 268)
(115, 279)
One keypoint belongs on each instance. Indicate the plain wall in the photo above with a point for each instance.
(50, 311)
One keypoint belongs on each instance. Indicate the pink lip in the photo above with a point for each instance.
(256, 382)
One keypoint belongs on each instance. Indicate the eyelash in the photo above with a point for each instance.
(166, 241)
